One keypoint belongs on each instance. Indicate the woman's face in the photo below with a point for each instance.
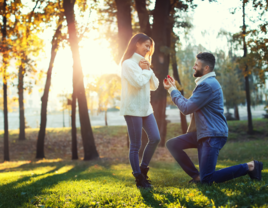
(143, 48)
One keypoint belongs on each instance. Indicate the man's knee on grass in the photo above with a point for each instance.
(207, 179)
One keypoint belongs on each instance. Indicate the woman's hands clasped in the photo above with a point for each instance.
(144, 64)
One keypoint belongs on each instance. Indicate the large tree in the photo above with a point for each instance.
(124, 25)
(90, 151)
(5, 51)
(161, 29)
(160, 60)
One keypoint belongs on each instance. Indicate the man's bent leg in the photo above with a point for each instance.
(176, 147)
(208, 151)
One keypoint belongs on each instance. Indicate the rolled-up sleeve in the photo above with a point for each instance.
(135, 75)
(201, 96)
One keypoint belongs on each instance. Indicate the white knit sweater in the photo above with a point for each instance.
(136, 86)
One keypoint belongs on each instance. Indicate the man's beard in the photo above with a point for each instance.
(199, 73)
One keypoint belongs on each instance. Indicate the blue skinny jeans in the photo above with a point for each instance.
(135, 125)
(208, 151)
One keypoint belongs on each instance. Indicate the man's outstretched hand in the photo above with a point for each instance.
(169, 82)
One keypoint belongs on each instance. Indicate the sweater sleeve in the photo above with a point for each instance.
(135, 75)
(154, 82)
(201, 96)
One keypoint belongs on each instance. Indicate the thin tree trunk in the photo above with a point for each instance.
(127, 141)
(105, 117)
(4, 34)
(43, 120)
(74, 134)
(250, 125)
(124, 25)
(63, 123)
(22, 71)
(173, 41)
(143, 17)
(21, 103)
(90, 151)
(236, 113)
(160, 63)
(176, 77)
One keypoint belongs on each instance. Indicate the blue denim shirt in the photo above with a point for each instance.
(206, 103)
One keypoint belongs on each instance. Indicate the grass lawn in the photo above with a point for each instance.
(107, 182)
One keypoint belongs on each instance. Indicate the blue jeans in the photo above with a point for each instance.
(208, 151)
(135, 125)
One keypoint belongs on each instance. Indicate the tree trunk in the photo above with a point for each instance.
(124, 25)
(250, 125)
(143, 17)
(183, 117)
(227, 109)
(127, 141)
(74, 134)
(236, 113)
(4, 34)
(160, 63)
(90, 151)
(177, 77)
(43, 120)
(21, 103)
(22, 71)
(105, 118)
(63, 123)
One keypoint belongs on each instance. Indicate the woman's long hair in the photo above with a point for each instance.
(131, 48)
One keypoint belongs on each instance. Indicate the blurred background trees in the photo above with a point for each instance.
(241, 69)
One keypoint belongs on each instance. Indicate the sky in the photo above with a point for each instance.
(207, 19)
(210, 18)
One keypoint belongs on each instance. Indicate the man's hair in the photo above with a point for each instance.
(207, 58)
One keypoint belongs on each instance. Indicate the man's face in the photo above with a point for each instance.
(199, 68)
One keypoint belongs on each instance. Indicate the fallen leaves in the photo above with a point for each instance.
(58, 146)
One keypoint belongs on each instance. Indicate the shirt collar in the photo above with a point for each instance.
(137, 57)
(201, 79)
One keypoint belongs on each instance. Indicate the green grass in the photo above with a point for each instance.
(238, 130)
(97, 183)
(109, 183)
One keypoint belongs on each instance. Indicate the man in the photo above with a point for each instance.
(208, 130)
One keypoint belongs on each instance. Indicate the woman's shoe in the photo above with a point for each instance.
(256, 172)
(144, 171)
(141, 181)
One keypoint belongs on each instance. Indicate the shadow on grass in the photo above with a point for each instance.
(16, 194)
(149, 198)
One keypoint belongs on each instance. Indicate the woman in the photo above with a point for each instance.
(137, 80)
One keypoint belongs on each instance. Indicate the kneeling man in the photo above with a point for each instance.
(208, 130)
